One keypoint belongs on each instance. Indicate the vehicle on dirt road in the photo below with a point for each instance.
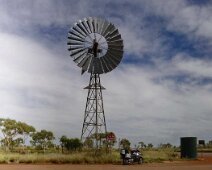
(129, 158)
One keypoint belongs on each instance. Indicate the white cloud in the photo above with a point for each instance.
(193, 66)
(192, 20)
(184, 65)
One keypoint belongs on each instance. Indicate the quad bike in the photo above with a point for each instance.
(129, 158)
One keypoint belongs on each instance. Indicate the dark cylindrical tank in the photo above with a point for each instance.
(188, 147)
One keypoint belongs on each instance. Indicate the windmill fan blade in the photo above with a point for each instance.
(83, 61)
(109, 63)
(107, 36)
(109, 29)
(100, 23)
(86, 64)
(105, 61)
(73, 33)
(116, 37)
(104, 27)
(101, 66)
(76, 52)
(115, 46)
(96, 22)
(93, 25)
(116, 54)
(90, 70)
(79, 58)
(104, 65)
(76, 39)
(118, 43)
(84, 23)
(114, 59)
(112, 33)
(115, 32)
(78, 31)
(116, 51)
(81, 28)
(90, 24)
(74, 43)
(97, 66)
(99, 69)
(75, 48)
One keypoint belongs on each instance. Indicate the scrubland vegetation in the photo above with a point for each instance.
(42, 147)
(84, 157)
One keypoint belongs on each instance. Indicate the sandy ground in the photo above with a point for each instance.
(162, 166)
(204, 162)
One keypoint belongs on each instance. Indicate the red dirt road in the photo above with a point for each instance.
(203, 163)
(162, 166)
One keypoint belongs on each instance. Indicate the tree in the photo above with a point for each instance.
(43, 139)
(166, 145)
(70, 144)
(14, 132)
(18, 142)
(26, 130)
(150, 145)
(209, 144)
(88, 143)
(125, 143)
(63, 140)
(100, 137)
(142, 144)
(74, 144)
(9, 130)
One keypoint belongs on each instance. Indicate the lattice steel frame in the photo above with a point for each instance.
(94, 118)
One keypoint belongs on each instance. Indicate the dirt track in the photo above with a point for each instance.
(162, 166)
(203, 163)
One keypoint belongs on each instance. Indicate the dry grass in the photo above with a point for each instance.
(85, 157)
(74, 158)
(160, 155)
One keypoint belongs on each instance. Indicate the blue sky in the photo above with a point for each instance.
(160, 91)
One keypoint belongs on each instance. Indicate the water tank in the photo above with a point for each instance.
(188, 147)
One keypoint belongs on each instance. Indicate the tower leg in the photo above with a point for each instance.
(94, 125)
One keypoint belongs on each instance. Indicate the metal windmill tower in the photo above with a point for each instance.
(97, 47)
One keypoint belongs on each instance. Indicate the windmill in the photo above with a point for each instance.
(97, 47)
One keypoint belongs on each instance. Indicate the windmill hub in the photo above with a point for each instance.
(97, 47)
(96, 44)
